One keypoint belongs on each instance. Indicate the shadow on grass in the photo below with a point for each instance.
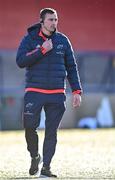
(24, 178)
(59, 178)
(77, 178)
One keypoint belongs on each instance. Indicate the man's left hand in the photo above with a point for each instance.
(76, 100)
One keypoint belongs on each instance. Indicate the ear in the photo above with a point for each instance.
(41, 20)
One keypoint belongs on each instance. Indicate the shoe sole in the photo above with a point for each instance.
(44, 176)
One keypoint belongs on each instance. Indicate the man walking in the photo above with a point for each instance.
(48, 58)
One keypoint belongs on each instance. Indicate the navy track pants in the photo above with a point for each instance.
(54, 107)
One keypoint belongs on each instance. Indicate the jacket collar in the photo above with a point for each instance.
(42, 35)
(34, 30)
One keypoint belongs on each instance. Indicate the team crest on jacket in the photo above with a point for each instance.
(60, 46)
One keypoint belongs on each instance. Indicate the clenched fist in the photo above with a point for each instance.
(47, 45)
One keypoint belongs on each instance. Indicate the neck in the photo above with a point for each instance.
(46, 32)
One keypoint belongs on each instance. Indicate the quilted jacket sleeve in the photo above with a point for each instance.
(26, 56)
(72, 69)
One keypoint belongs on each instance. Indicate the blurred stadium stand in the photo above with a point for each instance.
(90, 26)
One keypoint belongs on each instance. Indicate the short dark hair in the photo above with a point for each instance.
(45, 11)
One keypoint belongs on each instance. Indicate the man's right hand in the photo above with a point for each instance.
(47, 45)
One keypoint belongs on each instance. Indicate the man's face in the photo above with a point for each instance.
(50, 22)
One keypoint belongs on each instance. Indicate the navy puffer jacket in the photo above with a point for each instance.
(47, 71)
